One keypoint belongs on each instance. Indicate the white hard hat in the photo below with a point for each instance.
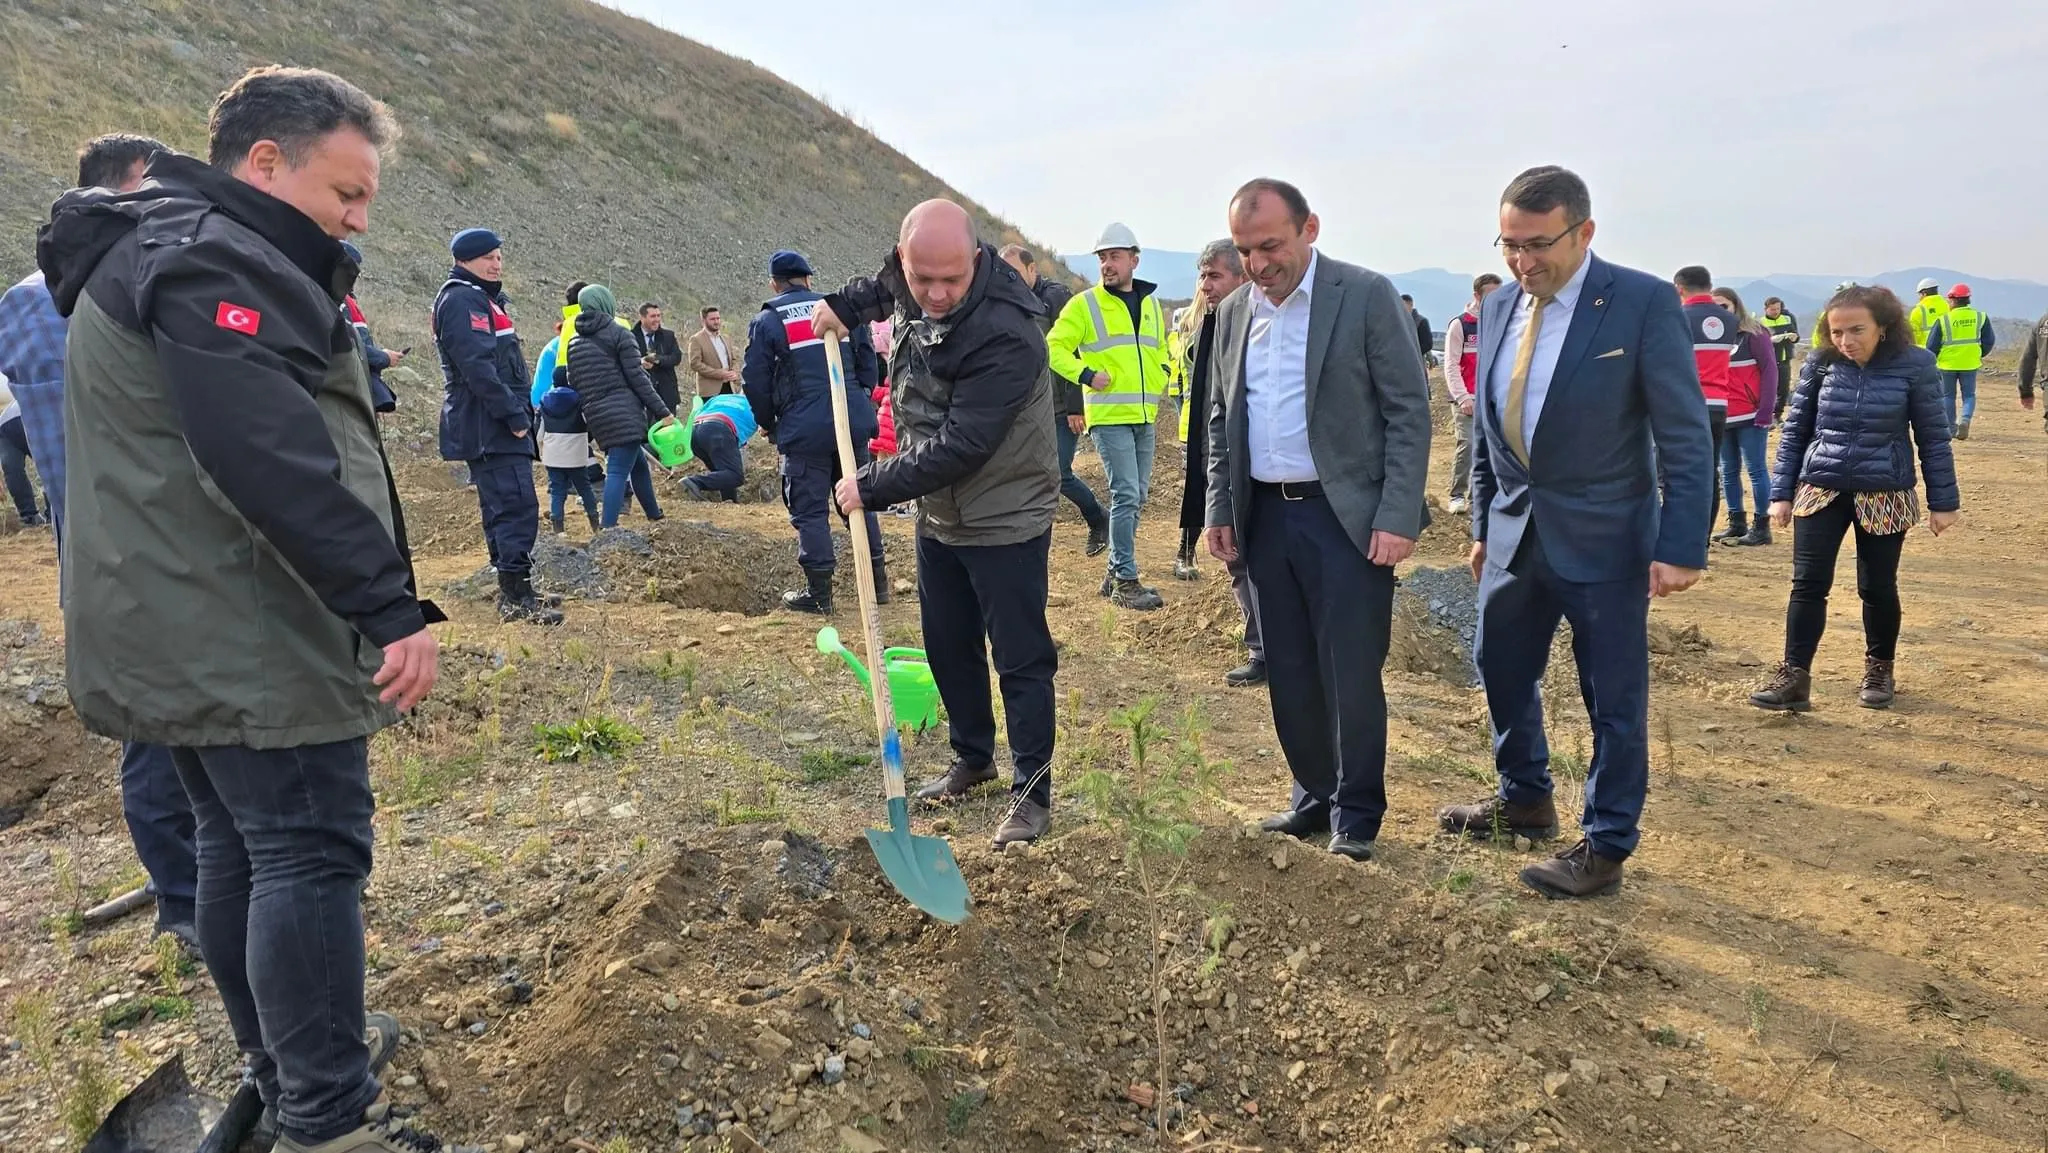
(1117, 236)
(1927, 284)
(1846, 285)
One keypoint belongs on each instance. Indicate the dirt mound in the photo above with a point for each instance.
(697, 564)
(40, 738)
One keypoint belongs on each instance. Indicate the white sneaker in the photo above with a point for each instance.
(1460, 505)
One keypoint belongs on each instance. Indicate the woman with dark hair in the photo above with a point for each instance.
(1752, 399)
(1865, 401)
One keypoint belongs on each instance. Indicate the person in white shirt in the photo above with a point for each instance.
(711, 356)
(14, 458)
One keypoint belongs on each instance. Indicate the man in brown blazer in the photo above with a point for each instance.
(713, 359)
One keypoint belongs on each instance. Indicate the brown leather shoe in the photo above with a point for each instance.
(1877, 689)
(956, 782)
(1028, 821)
(1576, 872)
(1790, 690)
(1493, 819)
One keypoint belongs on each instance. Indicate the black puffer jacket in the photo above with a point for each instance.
(1054, 295)
(619, 402)
(1852, 428)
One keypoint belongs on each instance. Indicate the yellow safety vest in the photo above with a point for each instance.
(1923, 316)
(1777, 324)
(1962, 333)
(1092, 334)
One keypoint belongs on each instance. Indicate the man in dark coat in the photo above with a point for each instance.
(1218, 273)
(1069, 418)
(660, 352)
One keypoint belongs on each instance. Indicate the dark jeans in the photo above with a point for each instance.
(714, 442)
(1519, 609)
(978, 602)
(563, 481)
(159, 817)
(14, 458)
(626, 466)
(1325, 615)
(511, 508)
(1073, 487)
(807, 493)
(1743, 448)
(284, 847)
(1816, 542)
(1717, 424)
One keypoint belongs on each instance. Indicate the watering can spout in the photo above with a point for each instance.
(830, 645)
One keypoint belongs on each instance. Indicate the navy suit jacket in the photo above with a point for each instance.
(1626, 393)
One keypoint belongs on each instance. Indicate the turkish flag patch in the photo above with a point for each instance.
(236, 318)
(479, 322)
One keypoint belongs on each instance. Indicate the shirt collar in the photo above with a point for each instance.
(1305, 290)
(1568, 296)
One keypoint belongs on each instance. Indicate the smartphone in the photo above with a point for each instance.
(406, 351)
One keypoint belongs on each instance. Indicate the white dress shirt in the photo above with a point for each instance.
(1557, 321)
(1276, 385)
(724, 358)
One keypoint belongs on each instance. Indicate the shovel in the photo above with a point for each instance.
(921, 868)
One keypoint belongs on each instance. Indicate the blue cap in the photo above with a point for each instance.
(788, 263)
(354, 253)
(471, 243)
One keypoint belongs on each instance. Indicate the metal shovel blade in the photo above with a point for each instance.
(167, 1114)
(921, 868)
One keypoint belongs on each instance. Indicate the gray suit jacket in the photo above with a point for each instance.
(1368, 406)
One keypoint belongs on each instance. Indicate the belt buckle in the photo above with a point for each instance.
(1287, 492)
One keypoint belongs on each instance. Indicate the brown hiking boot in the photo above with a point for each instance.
(1493, 819)
(1877, 689)
(1027, 821)
(1790, 689)
(383, 1131)
(956, 782)
(1576, 872)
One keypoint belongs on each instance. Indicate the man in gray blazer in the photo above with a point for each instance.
(1318, 454)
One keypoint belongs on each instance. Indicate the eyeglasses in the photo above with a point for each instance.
(1519, 248)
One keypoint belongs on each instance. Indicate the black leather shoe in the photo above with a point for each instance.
(956, 782)
(1098, 538)
(1311, 822)
(1346, 845)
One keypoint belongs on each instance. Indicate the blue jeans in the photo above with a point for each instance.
(1073, 487)
(623, 466)
(1953, 381)
(284, 848)
(561, 481)
(159, 817)
(1744, 444)
(1126, 451)
(14, 458)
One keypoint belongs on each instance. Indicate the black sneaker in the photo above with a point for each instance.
(1098, 539)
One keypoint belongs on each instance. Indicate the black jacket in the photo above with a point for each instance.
(788, 383)
(1423, 335)
(619, 402)
(1066, 395)
(1194, 498)
(973, 407)
(485, 408)
(1852, 428)
(667, 354)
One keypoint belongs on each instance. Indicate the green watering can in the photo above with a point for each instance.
(911, 687)
(670, 443)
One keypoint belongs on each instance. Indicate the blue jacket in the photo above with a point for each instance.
(737, 410)
(485, 404)
(544, 371)
(1625, 394)
(787, 382)
(1852, 429)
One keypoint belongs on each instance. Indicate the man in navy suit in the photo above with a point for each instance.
(1586, 380)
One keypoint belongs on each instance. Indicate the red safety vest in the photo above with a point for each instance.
(1468, 359)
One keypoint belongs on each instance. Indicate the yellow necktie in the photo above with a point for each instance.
(1518, 382)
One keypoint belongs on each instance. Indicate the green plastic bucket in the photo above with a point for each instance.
(912, 692)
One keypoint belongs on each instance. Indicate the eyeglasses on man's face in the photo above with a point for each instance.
(1528, 247)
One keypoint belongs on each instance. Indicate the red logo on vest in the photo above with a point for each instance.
(236, 318)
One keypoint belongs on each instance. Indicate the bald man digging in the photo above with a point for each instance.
(974, 430)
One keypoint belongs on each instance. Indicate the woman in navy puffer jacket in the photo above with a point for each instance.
(1845, 460)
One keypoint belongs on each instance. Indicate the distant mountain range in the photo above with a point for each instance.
(1440, 294)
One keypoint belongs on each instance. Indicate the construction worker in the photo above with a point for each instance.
(788, 387)
(1928, 309)
(1783, 328)
(1959, 340)
(1111, 340)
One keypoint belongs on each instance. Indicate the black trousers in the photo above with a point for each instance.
(511, 509)
(978, 601)
(714, 442)
(1816, 542)
(1717, 426)
(1325, 615)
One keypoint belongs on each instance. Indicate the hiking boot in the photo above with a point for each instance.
(35, 520)
(1098, 539)
(555, 523)
(596, 524)
(1877, 689)
(1184, 568)
(1027, 821)
(1738, 527)
(1246, 675)
(1109, 586)
(1790, 689)
(380, 1036)
(956, 782)
(1963, 429)
(1576, 872)
(518, 602)
(383, 1131)
(881, 581)
(1129, 594)
(1759, 532)
(1495, 819)
(817, 598)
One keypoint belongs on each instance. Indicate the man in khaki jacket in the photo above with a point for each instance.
(713, 359)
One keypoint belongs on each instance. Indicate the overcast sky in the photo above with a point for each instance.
(1798, 136)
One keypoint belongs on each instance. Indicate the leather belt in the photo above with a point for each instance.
(1292, 490)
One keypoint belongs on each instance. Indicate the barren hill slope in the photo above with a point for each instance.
(601, 147)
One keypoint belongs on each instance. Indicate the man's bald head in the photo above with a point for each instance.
(940, 252)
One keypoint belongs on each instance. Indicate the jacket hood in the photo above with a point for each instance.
(84, 225)
(590, 323)
(1142, 287)
(560, 402)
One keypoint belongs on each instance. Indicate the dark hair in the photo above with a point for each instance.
(650, 306)
(1546, 188)
(106, 161)
(1777, 300)
(296, 107)
(1885, 311)
(576, 288)
(707, 310)
(1408, 298)
(1297, 204)
(1694, 278)
(1483, 279)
